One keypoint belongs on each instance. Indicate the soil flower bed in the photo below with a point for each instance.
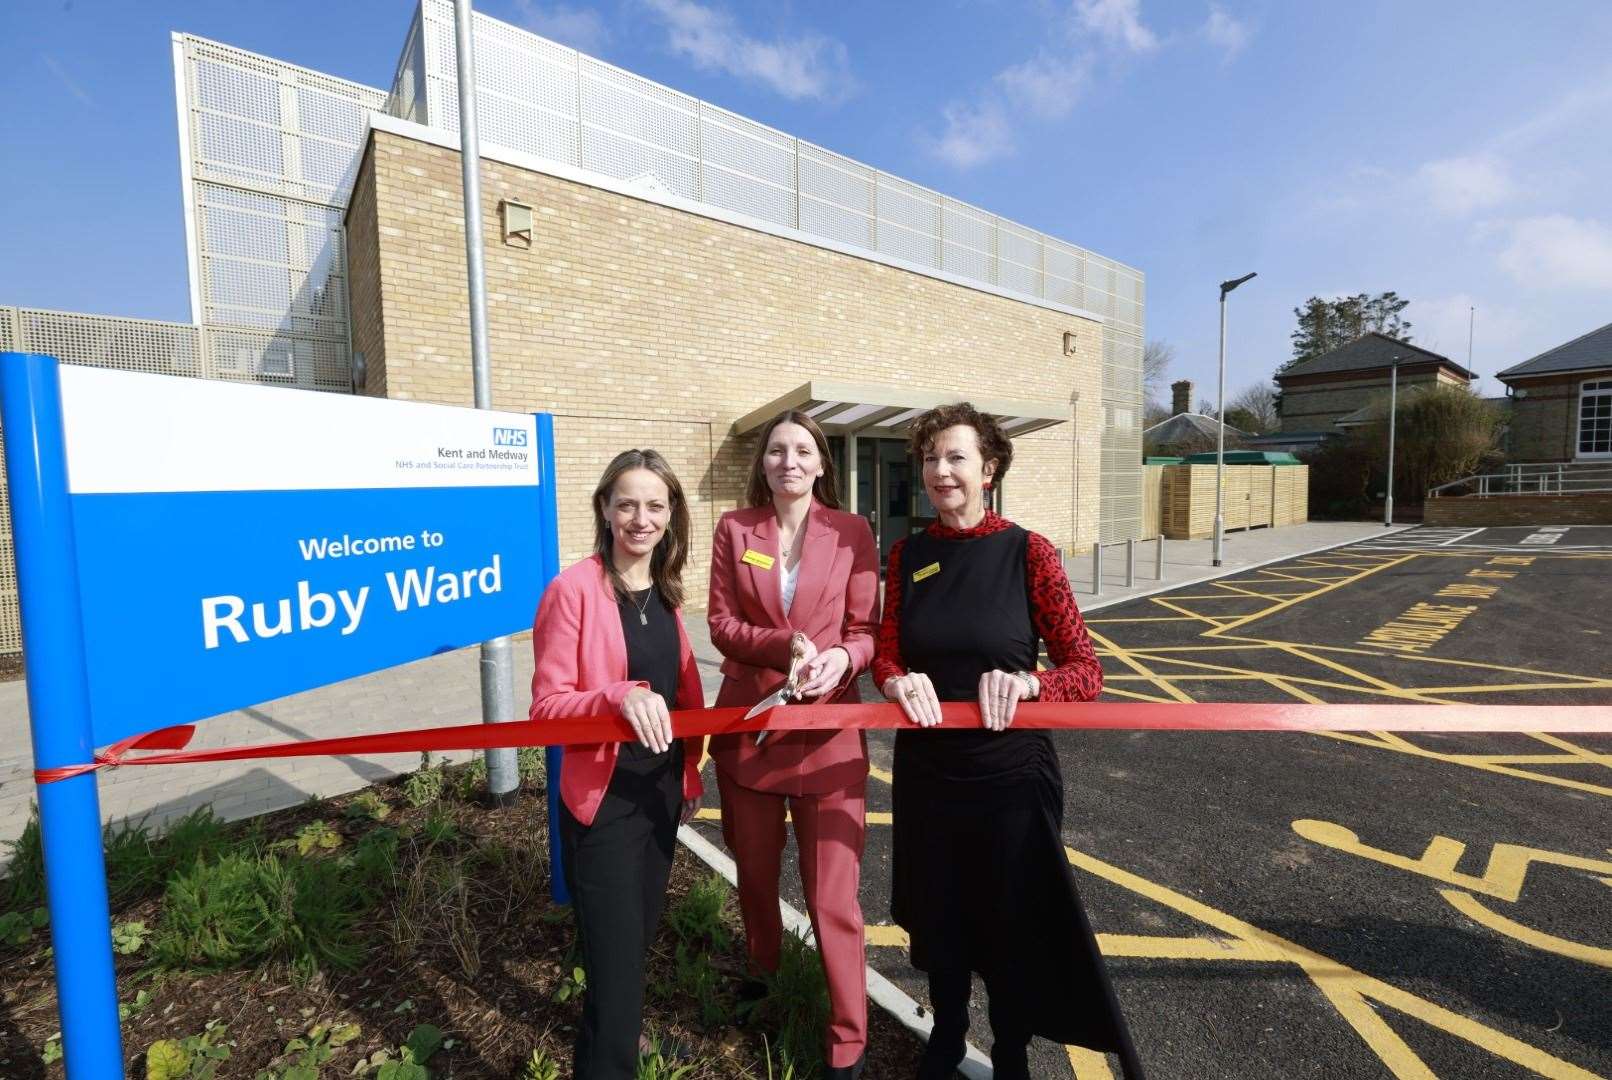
(403, 932)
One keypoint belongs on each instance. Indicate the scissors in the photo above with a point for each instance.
(785, 694)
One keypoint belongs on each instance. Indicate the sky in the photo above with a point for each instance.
(1455, 152)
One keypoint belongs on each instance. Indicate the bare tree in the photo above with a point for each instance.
(1253, 409)
(1157, 357)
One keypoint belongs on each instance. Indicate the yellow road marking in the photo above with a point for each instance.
(1088, 1064)
(883, 936)
(1393, 1050)
(1167, 605)
(1139, 697)
(1284, 604)
(1502, 877)
(1146, 946)
(1338, 980)
(1474, 909)
(1482, 766)
(1124, 657)
(1576, 751)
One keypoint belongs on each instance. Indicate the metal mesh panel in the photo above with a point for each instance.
(8, 329)
(274, 149)
(1121, 468)
(104, 341)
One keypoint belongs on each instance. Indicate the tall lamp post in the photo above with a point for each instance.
(1220, 432)
(1393, 412)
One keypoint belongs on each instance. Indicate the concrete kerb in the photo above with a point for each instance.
(881, 991)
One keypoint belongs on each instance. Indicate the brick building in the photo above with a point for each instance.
(642, 320)
(1561, 402)
(1318, 393)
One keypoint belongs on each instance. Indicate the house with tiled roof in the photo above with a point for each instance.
(1561, 401)
(1338, 385)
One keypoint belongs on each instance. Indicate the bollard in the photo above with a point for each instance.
(1097, 568)
(1130, 564)
(1158, 558)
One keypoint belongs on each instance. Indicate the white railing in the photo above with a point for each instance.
(1542, 478)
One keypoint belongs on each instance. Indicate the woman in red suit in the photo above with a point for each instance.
(609, 638)
(794, 576)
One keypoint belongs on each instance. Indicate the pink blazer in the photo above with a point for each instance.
(836, 594)
(582, 671)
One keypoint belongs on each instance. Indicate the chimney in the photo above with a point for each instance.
(1180, 397)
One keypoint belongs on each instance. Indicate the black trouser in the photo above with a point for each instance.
(617, 869)
(1010, 1036)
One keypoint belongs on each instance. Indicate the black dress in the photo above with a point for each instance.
(980, 878)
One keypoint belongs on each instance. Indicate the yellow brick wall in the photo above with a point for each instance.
(640, 325)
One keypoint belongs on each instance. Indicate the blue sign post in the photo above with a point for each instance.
(59, 714)
(188, 547)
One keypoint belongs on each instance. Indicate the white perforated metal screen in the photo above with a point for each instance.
(542, 98)
(272, 152)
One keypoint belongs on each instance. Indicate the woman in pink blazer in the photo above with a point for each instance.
(609, 638)
(794, 576)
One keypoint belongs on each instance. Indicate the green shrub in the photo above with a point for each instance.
(368, 805)
(540, 1066)
(25, 877)
(696, 918)
(795, 1008)
(245, 907)
(195, 1057)
(424, 786)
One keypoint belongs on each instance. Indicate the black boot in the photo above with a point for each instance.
(948, 998)
(1010, 1060)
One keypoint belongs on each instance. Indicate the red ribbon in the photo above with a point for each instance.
(1080, 716)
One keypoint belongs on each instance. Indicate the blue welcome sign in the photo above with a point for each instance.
(236, 543)
(187, 547)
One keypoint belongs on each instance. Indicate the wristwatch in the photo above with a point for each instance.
(1032, 687)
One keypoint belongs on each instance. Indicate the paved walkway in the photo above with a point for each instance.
(445, 690)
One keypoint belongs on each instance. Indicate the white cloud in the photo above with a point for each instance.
(1461, 185)
(1441, 324)
(581, 28)
(1556, 251)
(1118, 22)
(1047, 85)
(974, 135)
(1225, 32)
(810, 66)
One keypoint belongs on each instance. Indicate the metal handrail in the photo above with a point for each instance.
(1541, 478)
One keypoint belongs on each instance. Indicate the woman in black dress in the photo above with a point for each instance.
(980, 880)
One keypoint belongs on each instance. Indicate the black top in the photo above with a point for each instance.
(653, 651)
(965, 610)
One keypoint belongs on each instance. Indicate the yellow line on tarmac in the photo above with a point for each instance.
(1167, 605)
(1124, 657)
(1151, 618)
(1304, 696)
(1132, 694)
(1344, 669)
(1318, 592)
(882, 936)
(1147, 947)
(1574, 750)
(1337, 980)
(1520, 759)
(1495, 688)
(1393, 1050)
(1088, 1064)
(879, 774)
(1475, 909)
(1403, 747)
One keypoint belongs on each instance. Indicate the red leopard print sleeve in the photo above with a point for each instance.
(887, 660)
(1076, 674)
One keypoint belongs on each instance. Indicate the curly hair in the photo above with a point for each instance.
(994, 442)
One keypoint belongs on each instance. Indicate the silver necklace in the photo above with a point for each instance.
(643, 618)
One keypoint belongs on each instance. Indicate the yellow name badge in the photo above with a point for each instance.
(929, 571)
(757, 559)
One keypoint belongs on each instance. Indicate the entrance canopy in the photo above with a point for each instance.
(874, 411)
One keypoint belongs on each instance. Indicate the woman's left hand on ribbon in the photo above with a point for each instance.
(1000, 694)
(825, 672)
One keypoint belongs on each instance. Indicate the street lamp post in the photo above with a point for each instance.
(1220, 432)
(1393, 410)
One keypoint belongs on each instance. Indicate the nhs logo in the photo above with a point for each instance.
(509, 436)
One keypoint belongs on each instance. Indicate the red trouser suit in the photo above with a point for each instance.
(819, 777)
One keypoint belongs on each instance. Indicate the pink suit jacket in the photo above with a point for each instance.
(836, 594)
(581, 670)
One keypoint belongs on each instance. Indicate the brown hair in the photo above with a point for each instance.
(994, 443)
(666, 563)
(826, 489)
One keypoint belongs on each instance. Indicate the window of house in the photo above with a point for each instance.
(1595, 419)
